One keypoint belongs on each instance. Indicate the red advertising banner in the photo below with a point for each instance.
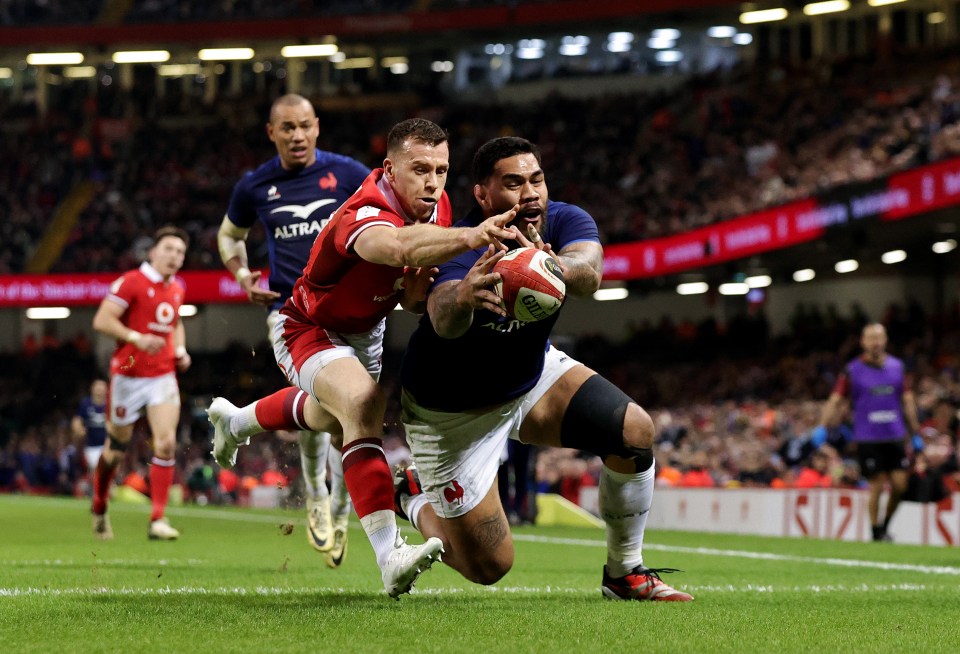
(85, 289)
(922, 189)
(902, 195)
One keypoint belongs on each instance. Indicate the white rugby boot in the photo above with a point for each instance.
(338, 552)
(225, 443)
(407, 562)
(161, 530)
(319, 527)
(101, 527)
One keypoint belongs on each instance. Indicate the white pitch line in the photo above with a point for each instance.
(262, 591)
(765, 556)
(237, 516)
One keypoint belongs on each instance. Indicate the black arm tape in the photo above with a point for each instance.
(116, 445)
(594, 421)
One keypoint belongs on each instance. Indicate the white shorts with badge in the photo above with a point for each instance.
(129, 396)
(458, 454)
(303, 350)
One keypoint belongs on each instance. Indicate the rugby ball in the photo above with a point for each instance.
(531, 285)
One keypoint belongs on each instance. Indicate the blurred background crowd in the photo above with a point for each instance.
(734, 403)
(644, 164)
(727, 415)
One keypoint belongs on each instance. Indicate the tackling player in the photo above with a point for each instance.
(457, 420)
(377, 249)
(142, 312)
(294, 195)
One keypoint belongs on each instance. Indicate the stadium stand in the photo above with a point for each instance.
(733, 403)
(19, 13)
(727, 416)
(720, 146)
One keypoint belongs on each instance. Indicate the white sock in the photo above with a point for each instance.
(340, 504)
(314, 447)
(243, 424)
(411, 505)
(381, 528)
(625, 502)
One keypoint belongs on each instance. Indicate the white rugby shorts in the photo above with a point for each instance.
(91, 454)
(458, 454)
(129, 395)
(303, 350)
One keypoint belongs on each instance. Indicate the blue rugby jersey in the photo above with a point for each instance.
(293, 206)
(94, 417)
(497, 359)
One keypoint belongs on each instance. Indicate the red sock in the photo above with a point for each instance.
(367, 475)
(282, 410)
(161, 476)
(102, 476)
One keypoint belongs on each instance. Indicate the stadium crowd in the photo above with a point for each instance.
(645, 164)
(20, 13)
(740, 418)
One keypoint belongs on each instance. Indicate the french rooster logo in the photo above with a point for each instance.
(453, 493)
(329, 182)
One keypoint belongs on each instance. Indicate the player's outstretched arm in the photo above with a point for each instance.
(580, 262)
(430, 245)
(451, 304)
(232, 244)
(582, 265)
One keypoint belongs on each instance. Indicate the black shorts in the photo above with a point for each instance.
(883, 456)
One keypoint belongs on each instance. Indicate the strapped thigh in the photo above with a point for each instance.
(594, 420)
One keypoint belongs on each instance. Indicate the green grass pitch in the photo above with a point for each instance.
(235, 582)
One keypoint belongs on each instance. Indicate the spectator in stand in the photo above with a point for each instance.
(667, 474)
(884, 419)
(574, 477)
(755, 469)
(816, 474)
(697, 474)
(935, 470)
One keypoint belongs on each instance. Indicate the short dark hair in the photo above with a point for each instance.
(171, 230)
(288, 100)
(499, 148)
(415, 129)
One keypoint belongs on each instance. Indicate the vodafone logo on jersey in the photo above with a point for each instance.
(164, 318)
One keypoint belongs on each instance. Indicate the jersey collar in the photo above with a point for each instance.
(150, 272)
(872, 364)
